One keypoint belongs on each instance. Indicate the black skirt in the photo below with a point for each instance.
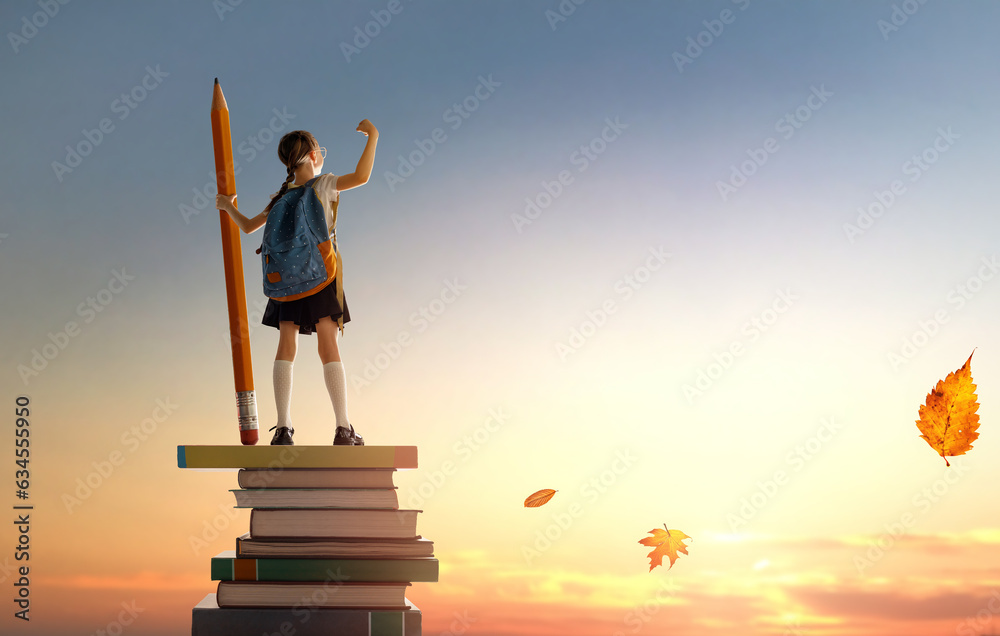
(306, 312)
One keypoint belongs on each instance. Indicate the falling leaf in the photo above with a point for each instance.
(668, 542)
(539, 498)
(949, 420)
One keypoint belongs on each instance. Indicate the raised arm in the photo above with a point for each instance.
(224, 202)
(363, 172)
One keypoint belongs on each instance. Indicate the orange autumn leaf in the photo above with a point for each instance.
(668, 542)
(949, 420)
(537, 499)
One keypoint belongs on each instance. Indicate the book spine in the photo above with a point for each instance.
(236, 457)
(264, 478)
(346, 498)
(394, 570)
(274, 523)
(209, 620)
(304, 594)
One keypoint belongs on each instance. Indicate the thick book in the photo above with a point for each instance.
(274, 457)
(355, 548)
(316, 478)
(226, 567)
(301, 594)
(317, 498)
(208, 619)
(271, 523)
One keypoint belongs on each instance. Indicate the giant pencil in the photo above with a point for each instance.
(239, 331)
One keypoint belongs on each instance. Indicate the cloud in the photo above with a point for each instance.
(809, 585)
(932, 541)
(894, 605)
(145, 580)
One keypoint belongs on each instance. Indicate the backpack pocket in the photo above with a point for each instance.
(291, 263)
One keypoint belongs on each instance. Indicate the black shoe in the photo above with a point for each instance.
(347, 437)
(358, 440)
(282, 436)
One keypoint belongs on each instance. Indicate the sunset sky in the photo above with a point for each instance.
(687, 263)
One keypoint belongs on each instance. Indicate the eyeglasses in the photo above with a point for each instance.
(305, 157)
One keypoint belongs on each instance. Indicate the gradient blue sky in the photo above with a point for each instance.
(654, 186)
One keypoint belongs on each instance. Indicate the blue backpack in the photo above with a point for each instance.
(298, 252)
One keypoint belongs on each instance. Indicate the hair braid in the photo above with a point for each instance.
(293, 149)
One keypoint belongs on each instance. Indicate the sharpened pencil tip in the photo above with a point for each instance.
(216, 80)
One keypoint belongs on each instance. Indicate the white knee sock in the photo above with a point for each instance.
(283, 391)
(336, 384)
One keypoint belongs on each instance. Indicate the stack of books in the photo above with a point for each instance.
(328, 550)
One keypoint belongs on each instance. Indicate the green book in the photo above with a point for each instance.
(227, 567)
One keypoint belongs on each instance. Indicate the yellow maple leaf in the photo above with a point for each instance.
(668, 542)
(948, 419)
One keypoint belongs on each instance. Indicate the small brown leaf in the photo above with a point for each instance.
(539, 498)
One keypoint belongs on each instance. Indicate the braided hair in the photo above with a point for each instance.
(293, 150)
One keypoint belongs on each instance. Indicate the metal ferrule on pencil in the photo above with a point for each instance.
(246, 406)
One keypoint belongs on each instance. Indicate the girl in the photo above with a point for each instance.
(322, 312)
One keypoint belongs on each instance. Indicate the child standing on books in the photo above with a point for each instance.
(324, 312)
